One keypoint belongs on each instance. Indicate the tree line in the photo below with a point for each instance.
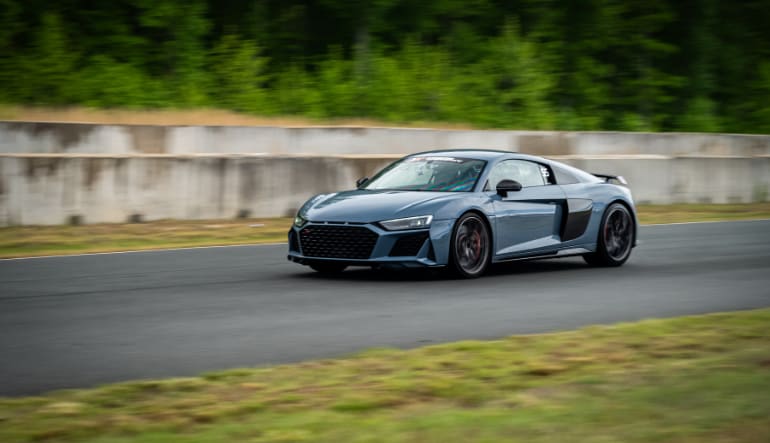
(638, 65)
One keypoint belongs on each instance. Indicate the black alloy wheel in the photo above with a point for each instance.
(471, 246)
(616, 238)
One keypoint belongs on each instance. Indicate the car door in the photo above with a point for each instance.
(526, 221)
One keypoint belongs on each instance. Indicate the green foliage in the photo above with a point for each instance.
(762, 98)
(647, 65)
(238, 76)
(294, 92)
(178, 28)
(334, 81)
(110, 84)
(520, 84)
(412, 84)
(48, 67)
(700, 116)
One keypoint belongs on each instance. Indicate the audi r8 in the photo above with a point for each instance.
(464, 210)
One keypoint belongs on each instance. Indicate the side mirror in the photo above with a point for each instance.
(506, 186)
(361, 181)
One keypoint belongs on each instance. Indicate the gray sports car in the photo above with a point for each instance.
(465, 209)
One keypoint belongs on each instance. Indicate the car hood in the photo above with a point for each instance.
(365, 206)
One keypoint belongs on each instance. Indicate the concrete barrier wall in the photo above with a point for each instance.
(687, 179)
(51, 189)
(76, 138)
(52, 172)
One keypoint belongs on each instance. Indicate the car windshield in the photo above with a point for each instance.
(429, 173)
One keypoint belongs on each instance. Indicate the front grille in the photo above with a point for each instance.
(408, 245)
(352, 242)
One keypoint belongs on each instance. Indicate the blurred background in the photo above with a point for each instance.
(628, 65)
(152, 124)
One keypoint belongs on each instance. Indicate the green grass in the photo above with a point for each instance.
(53, 240)
(21, 241)
(689, 379)
(649, 214)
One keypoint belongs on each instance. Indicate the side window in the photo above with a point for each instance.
(524, 172)
(564, 177)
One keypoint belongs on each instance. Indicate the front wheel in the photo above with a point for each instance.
(616, 238)
(471, 246)
(328, 268)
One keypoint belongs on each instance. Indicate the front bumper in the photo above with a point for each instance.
(399, 249)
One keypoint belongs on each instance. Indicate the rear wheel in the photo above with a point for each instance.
(328, 268)
(471, 246)
(616, 238)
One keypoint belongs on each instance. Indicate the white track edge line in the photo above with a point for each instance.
(704, 222)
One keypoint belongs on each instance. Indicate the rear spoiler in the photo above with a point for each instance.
(611, 178)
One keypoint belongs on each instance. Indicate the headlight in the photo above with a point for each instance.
(299, 221)
(401, 224)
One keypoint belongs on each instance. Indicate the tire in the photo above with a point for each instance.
(328, 268)
(471, 246)
(616, 238)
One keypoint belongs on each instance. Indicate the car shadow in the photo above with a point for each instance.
(536, 266)
(439, 274)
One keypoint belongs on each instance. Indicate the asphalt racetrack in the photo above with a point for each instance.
(80, 321)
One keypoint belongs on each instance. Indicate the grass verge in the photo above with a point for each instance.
(649, 214)
(29, 241)
(688, 379)
(193, 117)
(25, 241)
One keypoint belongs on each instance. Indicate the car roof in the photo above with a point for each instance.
(492, 155)
(478, 154)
